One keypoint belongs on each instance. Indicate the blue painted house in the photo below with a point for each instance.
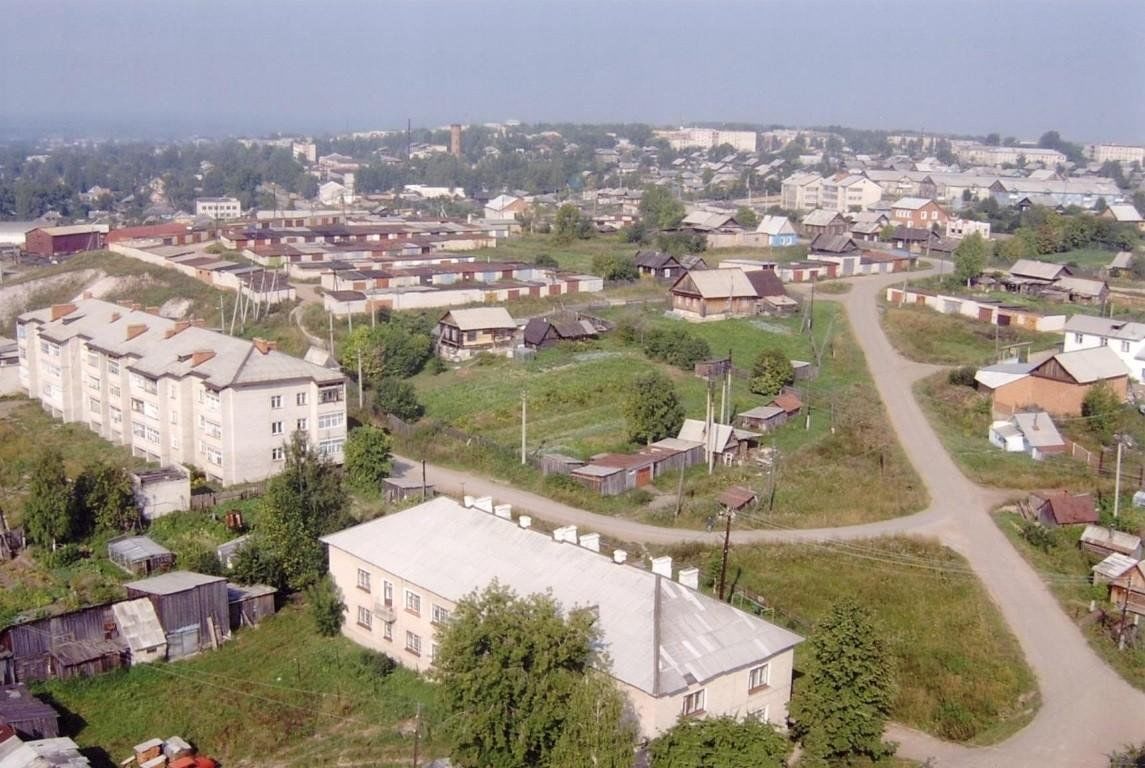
(778, 229)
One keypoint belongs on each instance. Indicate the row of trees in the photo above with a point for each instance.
(58, 511)
(524, 684)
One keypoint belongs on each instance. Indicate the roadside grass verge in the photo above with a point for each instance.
(959, 672)
(277, 694)
(961, 418)
(1066, 570)
(926, 336)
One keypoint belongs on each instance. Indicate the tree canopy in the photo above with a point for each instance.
(842, 708)
(746, 217)
(519, 687)
(367, 458)
(970, 258)
(47, 519)
(659, 209)
(771, 372)
(720, 742)
(652, 409)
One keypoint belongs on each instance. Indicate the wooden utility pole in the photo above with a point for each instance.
(416, 733)
(330, 317)
(361, 395)
(728, 515)
(679, 494)
(1117, 480)
(524, 423)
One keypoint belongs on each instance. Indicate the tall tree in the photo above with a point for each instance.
(509, 667)
(302, 503)
(566, 226)
(771, 372)
(659, 209)
(102, 495)
(746, 217)
(969, 258)
(842, 708)
(46, 510)
(720, 742)
(599, 730)
(652, 409)
(367, 458)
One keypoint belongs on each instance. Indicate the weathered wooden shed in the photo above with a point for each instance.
(607, 481)
(27, 715)
(139, 555)
(192, 608)
(401, 488)
(76, 644)
(559, 464)
(672, 454)
(250, 604)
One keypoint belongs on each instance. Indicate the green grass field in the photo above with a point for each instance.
(1089, 259)
(959, 671)
(277, 694)
(961, 417)
(1066, 571)
(921, 334)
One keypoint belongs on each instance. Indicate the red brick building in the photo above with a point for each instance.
(61, 241)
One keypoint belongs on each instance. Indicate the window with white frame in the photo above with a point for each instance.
(432, 651)
(276, 427)
(114, 391)
(439, 615)
(93, 358)
(365, 618)
(693, 703)
(214, 456)
(276, 401)
(330, 447)
(142, 383)
(330, 420)
(112, 368)
(413, 602)
(138, 430)
(93, 382)
(413, 643)
(152, 435)
(300, 398)
(1078, 338)
(363, 580)
(116, 415)
(1125, 346)
(758, 677)
(387, 630)
(387, 593)
(300, 425)
(93, 404)
(278, 454)
(330, 394)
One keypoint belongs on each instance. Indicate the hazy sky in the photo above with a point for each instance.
(181, 67)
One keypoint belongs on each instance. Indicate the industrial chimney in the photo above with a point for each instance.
(455, 139)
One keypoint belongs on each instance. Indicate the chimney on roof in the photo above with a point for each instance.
(619, 556)
(689, 577)
(134, 330)
(179, 327)
(565, 533)
(503, 511)
(200, 356)
(591, 541)
(60, 310)
(525, 521)
(662, 566)
(198, 322)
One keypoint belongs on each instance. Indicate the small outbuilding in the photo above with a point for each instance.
(249, 604)
(763, 418)
(1112, 568)
(1064, 508)
(192, 607)
(398, 489)
(1103, 542)
(139, 555)
(229, 550)
(161, 491)
(29, 717)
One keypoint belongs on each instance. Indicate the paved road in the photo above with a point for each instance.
(1087, 710)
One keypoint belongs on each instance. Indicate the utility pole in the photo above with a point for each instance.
(679, 495)
(524, 421)
(360, 394)
(330, 317)
(416, 733)
(423, 485)
(1117, 480)
(222, 315)
(729, 515)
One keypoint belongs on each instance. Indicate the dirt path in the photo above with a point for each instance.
(1087, 710)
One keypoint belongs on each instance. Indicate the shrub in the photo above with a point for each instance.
(771, 372)
(545, 260)
(63, 556)
(398, 398)
(326, 607)
(614, 266)
(1037, 536)
(676, 347)
(962, 377)
(378, 664)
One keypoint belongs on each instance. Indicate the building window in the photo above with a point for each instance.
(1078, 338)
(93, 404)
(388, 594)
(694, 703)
(276, 401)
(413, 643)
(214, 456)
(1125, 346)
(330, 420)
(276, 427)
(93, 359)
(759, 714)
(365, 618)
(112, 368)
(330, 447)
(301, 425)
(413, 603)
(439, 615)
(300, 398)
(363, 580)
(330, 394)
(278, 454)
(432, 651)
(387, 631)
(150, 386)
(758, 677)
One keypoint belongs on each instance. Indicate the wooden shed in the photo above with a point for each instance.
(139, 555)
(559, 464)
(398, 489)
(27, 715)
(192, 608)
(249, 604)
(607, 481)
(76, 644)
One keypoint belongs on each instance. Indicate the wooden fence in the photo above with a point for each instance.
(211, 499)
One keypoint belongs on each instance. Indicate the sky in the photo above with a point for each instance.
(177, 68)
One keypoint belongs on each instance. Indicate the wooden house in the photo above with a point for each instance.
(1127, 591)
(463, 333)
(139, 555)
(29, 717)
(192, 608)
(713, 294)
(1064, 508)
(729, 444)
(821, 222)
(1103, 542)
(80, 643)
(664, 266)
(249, 604)
(543, 332)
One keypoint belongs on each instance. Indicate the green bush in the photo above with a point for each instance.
(1037, 536)
(962, 377)
(676, 347)
(63, 556)
(377, 664)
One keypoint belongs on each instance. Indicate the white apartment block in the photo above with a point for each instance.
(800, 192)
(1125, 338)
(218, 207)
(1118, 153)
(708, 138)
(984, 154)
(960, 228)
(673, 650)
(850, 193)
(176, 393)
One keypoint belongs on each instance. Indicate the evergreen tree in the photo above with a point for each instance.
(46, 511)
(842, 708)
(652, 410)
(771, 372)
(367, 458)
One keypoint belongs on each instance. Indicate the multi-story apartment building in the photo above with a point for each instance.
(672, 650)
(1118, 153)
(800, 191)
(218, 207)
(845, 193)
(708, 138)
(983, 154)
(1125, 338)
(176, 393)
(918, 213)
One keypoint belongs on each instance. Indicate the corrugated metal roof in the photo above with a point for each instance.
(699, 637)
(1090, 365)
(1107, 537)
(135, 548)
(481, 318)
(1114, 565)
(170, 583)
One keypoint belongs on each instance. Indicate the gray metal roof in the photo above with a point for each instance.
(173, 582)
(60, 752)
(658, 634)
(135, 548)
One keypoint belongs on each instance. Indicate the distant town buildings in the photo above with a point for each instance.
(50, 242)
(220, 208)
(709, 138)
(1118, 153)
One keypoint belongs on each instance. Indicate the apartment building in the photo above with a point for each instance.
(709, 138)
(917, 213)
(218, 207)
(1125, 338)
(673, 650)
(848, 193)
(982, 154)
(1118, 153)
(800, 191)
(176, 393)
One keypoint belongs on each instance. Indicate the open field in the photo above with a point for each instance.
(961, 418)
(926, 336)
(959, 671)
(574, 399)
(1066, 571)
(278, 694)
(1088, 259)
